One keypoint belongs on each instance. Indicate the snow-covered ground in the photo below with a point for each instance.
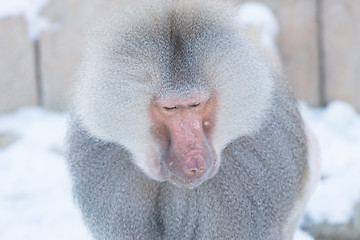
(338, 130)
(35, 194)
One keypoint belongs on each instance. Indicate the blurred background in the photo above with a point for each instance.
(41, 47)
(41, 43)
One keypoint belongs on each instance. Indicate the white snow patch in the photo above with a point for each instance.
(30, 10)
(338, 130)
(35, 194)
(301, 235)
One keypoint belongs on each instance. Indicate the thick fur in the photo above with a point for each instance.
(176, 46)
(181, 47)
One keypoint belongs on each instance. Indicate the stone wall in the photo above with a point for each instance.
(318, 40)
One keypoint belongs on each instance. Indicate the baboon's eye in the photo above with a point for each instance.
(194, 105)
(170, 108)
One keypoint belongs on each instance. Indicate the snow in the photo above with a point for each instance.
(35, 197)
(30, 10)
(35, 194)
(338, 131)
(301, 235)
